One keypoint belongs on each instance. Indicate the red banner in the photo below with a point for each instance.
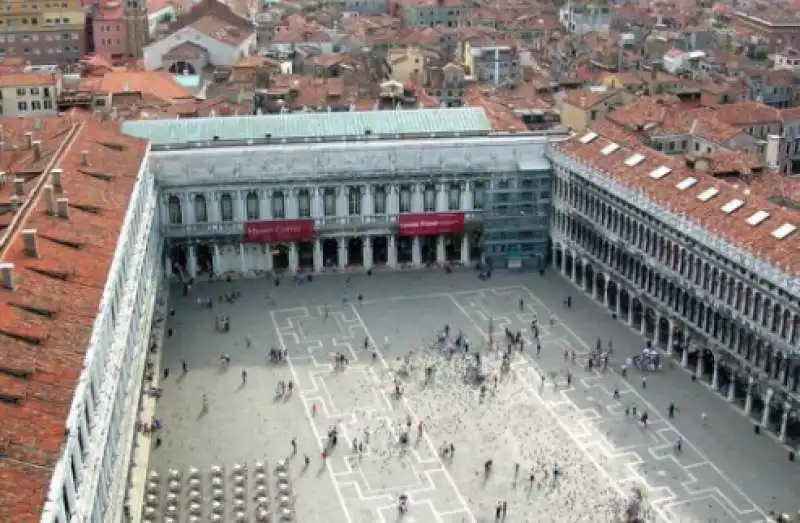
(279, 231)
(430, 224)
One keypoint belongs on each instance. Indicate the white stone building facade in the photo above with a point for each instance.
(730, 317)
(331, 206)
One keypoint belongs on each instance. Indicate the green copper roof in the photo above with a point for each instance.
(323, 125)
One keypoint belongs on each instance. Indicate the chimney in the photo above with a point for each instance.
(14, 202)
(29, 242)
(37, 151)
(55, 177)
(29, 139)
(85, 158)
(50, 200)
(63, 207)
(7, 271)
(19, 187)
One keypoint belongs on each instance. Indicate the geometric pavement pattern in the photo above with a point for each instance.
(581, 428)
(680, 487)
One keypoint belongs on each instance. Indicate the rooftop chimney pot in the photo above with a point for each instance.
(50, 200)
(29, 242)
(29, 139)
(19, 187)
(55, 177)
(37, 151)
(63, 207)
(85, 158)
(7, 271)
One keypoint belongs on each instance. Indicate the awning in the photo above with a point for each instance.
(279, 231)
(430, 224)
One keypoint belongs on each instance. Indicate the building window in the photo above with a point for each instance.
(454, 197)
(48, 104)
(329, 202)
(429, 198)
(380, 200)
(354, 201)
(20, 91)
(22, 106)
(200, 209)
(226, 207)
(479, 196)
(304, 204)
(278, 209)
(36, 105)
(251, 205)
(405, 198)
(67, 504)
(35, 91)
(175, 214)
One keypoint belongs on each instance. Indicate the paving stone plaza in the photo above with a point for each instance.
(724, 474)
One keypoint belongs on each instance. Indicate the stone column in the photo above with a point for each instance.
(393, 200)
(767, 407)
(392, 252)
(342, 244)
(342, 195)
(294, 258)
(317, 206)
(367, 202)
(367, 252)
(699, 368)
(748, 402)
(732, 389)
(466, 197)
(243, 257)
(784, 371)
(417, 198)
(416, 252)
(168, 268)
(269, 261)
(441, 254)
(685, 355)
(218, 265)
(715, 376)
(604, 297)
(441, 198)
(670, 338)
(465, 249)
(784, 422)
(643, 326)
(318, 261)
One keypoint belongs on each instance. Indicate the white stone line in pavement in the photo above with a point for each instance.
(310, 420)
(651, 408)
(721, 496)
(425, 435)
(565, 427)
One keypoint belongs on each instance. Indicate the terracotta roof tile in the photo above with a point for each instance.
(758, 240)
(27, 79)
(46, 321)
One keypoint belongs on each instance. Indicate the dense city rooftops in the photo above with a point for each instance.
(66, 192)
(321, 126)
(756, 225)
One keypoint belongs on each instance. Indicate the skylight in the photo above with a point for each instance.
(757, 218)
(686, 183)
(634, 160)
(732, 205)
(783, 231)
(610, 148)
(708, 194)
(660, 172)
(588, 137)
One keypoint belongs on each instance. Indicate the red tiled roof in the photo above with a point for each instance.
(758, 240)
(46, 320)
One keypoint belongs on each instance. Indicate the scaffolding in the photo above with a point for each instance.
(516, 225)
